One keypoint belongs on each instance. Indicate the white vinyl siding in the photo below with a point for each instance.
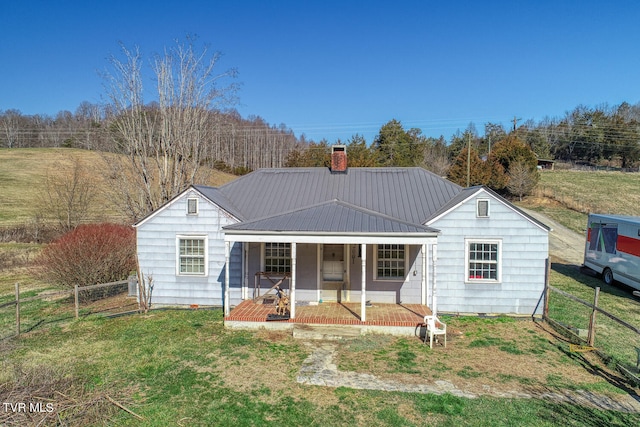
(159, 254)
(521, 267)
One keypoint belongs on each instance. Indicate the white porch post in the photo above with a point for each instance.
(363, 294)
(292, 292)
(434, 258)
(227, 258)
(425, 289)
(245, 270)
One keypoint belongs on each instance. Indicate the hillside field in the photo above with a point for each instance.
(568, 196)
(23, 173)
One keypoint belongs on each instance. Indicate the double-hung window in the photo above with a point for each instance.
(483, 259)
(277, 258)
(192, 255)
(391, 262)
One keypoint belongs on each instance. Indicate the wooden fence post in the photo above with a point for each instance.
(17, 308)
(547, 274)
(592, 320)
(75, 294)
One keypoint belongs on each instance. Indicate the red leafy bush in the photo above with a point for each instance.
(90, 254)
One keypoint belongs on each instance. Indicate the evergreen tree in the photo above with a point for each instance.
(396, 147)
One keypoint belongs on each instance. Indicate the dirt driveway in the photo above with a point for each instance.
(564, 244)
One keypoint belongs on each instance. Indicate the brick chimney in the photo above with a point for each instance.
(339, 159)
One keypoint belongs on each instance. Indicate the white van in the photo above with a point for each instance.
(612, 248)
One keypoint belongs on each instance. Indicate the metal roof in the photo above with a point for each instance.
(333, 216)
(406, 194)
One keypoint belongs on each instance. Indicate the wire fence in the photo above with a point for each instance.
(27, 310)
(591, 327)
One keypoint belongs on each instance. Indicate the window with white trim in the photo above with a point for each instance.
(482, 208)
(192, 206)
(483, 260)
(277, 258)
(391, 262)
(192, 255)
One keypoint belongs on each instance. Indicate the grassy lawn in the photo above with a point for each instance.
(184, 368)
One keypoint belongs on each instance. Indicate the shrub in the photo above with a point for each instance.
(90, 254)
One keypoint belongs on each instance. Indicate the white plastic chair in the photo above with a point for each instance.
(434, 328)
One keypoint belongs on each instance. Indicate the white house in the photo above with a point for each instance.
(385, 235)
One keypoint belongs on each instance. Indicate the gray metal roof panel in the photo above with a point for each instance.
(333, 216)
(407, 194)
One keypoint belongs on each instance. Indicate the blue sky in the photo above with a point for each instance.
(331, 69)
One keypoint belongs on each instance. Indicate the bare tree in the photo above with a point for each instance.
(10, 127)
(521, 179)
(165, 142)
(68, 196)
(436, 158)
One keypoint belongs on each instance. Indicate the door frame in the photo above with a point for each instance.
(345, 293)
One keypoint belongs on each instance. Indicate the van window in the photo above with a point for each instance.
(603, 238)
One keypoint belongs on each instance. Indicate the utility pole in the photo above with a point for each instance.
(468, 159)
(515, 120)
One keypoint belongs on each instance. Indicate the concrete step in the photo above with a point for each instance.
(326, 332)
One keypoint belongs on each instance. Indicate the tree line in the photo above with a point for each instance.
(602, 135)
(509, 166)
(236, 144)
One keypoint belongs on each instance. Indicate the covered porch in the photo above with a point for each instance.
(375, 259)
(383, 318)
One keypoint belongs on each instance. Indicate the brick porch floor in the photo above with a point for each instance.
(332, 313)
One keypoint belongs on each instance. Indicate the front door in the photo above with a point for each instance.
(333, 272)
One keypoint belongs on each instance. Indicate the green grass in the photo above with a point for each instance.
(611, 338)
(182, 367)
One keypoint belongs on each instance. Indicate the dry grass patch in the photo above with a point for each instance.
(485, 356)
(48, 395)
(253, 367)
